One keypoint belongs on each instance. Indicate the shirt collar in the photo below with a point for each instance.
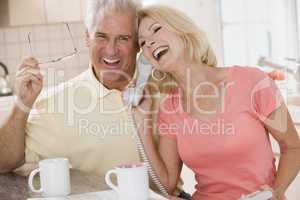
(103, 91)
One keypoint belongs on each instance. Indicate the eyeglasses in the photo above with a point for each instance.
(61, 58)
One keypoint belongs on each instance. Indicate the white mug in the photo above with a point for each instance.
(133, 182)
(54, 177)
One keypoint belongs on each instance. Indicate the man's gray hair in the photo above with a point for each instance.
(95, 10)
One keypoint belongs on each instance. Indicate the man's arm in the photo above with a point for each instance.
(28, 85)
(12, 141)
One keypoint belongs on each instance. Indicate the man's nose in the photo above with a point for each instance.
(111, 48)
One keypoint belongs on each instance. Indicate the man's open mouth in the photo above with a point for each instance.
(111, 61)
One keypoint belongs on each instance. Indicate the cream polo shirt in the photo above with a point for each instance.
(83, 121)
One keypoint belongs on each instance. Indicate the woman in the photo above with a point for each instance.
(217, 120)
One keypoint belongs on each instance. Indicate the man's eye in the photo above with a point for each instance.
(123, 38)
(98, 36)
(157, 29)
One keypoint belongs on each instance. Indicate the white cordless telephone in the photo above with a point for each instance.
(132, 96)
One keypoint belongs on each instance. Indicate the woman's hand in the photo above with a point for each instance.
(174, 198)
(268, 188)
(146, 102)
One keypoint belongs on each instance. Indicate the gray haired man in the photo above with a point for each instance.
(74, 129)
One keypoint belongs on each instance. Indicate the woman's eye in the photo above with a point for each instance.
(142, 43)
(157, 29)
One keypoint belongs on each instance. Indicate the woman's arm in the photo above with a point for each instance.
(163, 154)
(281, 127)
(164, 159)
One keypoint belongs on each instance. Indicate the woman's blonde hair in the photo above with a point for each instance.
(195, 40)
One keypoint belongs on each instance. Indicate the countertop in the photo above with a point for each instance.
(14, 187)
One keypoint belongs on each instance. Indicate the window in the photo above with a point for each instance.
(298, 24)
(253, 28)
(149, 2)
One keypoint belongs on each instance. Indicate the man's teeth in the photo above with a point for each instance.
(159, 52)
(111, 61)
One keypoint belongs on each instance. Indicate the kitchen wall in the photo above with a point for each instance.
(48, 41)
(52, 40)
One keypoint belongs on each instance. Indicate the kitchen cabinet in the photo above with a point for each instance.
(83, 9)
(26, 12)
(63, 10)
(30, 12)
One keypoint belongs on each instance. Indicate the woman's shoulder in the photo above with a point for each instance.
(248, 74)
(250, 71)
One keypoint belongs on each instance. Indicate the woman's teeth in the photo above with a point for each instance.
(159, 52)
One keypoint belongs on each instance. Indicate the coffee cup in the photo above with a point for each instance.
(54, 178)
(132, 180)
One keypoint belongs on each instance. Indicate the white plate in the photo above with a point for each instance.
(103, 195)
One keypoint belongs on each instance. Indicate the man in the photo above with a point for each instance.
(90, 127)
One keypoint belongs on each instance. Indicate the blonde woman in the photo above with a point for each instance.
(216, 120)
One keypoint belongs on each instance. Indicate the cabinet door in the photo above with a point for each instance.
(83, 9)
(63, 10)
(26, 12)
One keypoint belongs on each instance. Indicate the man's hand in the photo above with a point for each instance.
(28, 84)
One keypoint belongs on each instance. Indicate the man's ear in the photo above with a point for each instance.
(87, 38)
(138, 49)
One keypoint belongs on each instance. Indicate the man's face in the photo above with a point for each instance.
(113, 49)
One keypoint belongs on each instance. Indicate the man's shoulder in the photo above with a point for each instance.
(60, 89)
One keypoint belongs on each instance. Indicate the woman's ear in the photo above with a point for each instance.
(87, 38)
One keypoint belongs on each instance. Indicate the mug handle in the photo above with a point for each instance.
(30, 181)
(108, 180)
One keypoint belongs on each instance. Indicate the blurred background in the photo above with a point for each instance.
(240, 31)
(258, 33)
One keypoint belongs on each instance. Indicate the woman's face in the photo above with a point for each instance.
(163, 48)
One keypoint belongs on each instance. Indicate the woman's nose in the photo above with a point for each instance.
(150, 43)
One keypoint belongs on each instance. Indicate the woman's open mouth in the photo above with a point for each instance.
(160, 52)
